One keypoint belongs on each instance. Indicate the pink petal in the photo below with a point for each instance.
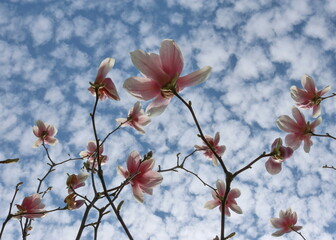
(323, 91)
(293, 140)
(297, 228)
(156, 107)
(234, 193)
(236, 208)
(38, 142)
(150, 65)
(194, 78)
(104, 67)
(299, 117)
(171, 58)
(273, 167)
(220, 187)
(316, 110)
(41, 126)
(122, 171)
(51, 140)
(137, 192)
(142, 88)
(287, 124)
(133, 162)
(51, 130)
(314, 124)
(110, 89)
(276, 222)
(211, 204)
(308, 83)
(307, 144)
(278, 233)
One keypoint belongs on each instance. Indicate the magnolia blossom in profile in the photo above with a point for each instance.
(90, 154)
(143, 178)
(136, 118)
(214, 144)
(230, 202)
(286, 223)
(107, 88)
(161, 76)
(72, 203)
(299, 130)
(76, 181)
(308, 97)
(31, 207)
(45, 133)
(279, 154)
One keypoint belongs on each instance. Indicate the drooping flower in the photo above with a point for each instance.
(143, 178)
(76, 181)
(214, 144)
(298, 130)
(107, 88)
(161, 76)
(90, 154)
(72, 203)
(279, 154)
(31, 207)
(286, 222)
(45, 133)
(230, 202)
(308, 97)
(136, 118)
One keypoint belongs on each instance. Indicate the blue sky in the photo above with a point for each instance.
(50, 51)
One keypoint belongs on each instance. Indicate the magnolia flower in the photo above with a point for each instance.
(72, 203)
(31, 207)
(279, 154)
(45, 133)
(136, 118)
(308, 97)
(143, 178)
(76, 181)
(299, 130)
(91, 154)
(161, 76)
(286, 223)
(230, 202)
(214, 144)
(107, 88)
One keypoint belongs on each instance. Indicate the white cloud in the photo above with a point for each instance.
(41, 28)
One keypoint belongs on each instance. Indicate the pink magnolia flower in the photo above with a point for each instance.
(230, 202)
(107, 88)
(91, 154)
(31, 207)
(143, 178)
(72, 203)
(76, 181)
(136, 118)
(214, 144)
(279, 154)
(299, 130)
(45, 133)
(286, 223)
(161, 76)
(308, 97)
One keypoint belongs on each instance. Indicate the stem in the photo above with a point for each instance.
(9, 215)
(188, 105)
(100, 171)
(86, 214)
(299, 233)
(321, 135)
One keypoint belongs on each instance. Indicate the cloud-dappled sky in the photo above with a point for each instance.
(50, 51)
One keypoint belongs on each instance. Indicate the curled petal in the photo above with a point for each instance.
(156, 107)
(104, 67)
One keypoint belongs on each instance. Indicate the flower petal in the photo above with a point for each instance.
(194, 78)
(156, 107)
(273, 167)
(142, 88)
(150, 65)
(211, 204)
(137, 192)
(171, 58)
(104, 67)
(308, 83)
